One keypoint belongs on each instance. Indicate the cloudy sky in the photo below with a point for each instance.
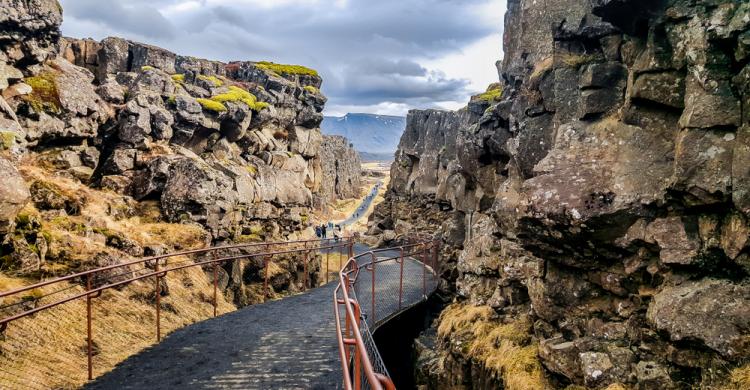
(375, 56)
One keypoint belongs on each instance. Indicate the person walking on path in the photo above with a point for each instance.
(318, 232)
(324, 231)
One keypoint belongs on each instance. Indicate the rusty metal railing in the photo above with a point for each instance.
(116, 276)
(374, 287)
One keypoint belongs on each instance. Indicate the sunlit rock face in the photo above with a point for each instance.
(601, 187)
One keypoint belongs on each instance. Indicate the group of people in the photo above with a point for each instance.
(328, 231)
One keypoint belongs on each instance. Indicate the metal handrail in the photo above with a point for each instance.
(352, 337)
(92, 292)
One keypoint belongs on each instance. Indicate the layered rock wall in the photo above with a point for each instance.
(342, 169)
(119, 144)
(601, 188)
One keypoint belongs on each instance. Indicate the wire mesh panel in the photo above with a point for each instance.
(383, 284)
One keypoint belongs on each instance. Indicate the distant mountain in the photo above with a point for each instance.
(376, 136)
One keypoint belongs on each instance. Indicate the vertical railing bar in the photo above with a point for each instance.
(89, 341)
(158, 302)
(216, 284)
(401, 279)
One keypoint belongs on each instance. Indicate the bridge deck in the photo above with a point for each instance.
(284, 344)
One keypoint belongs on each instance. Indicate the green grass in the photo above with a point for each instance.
(212, 105)
(282, 69)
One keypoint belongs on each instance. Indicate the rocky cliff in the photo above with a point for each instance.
(595, 201)
(233, 147)
(341, 169)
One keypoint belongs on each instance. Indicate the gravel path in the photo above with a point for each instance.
(283, 344)
(363, 206)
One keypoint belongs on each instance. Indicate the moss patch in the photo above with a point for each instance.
(252, 170)
(212, 105)
(147, 68)
(44, 96)
(7, 139)
(739, 378)
(282, 69)
(178, 78)
(215, 81)
(505, 348)
(493, 94)
(311, 89)
(237, 94)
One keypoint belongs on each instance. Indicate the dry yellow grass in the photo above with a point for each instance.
(48, 350)
(739, 378)
(505, 348)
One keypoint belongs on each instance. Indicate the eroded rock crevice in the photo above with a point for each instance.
(598, 192)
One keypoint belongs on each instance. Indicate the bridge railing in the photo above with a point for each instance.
(374, 287)
(32, 302)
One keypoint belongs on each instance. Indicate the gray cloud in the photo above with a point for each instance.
(369, 52)
(143, 20)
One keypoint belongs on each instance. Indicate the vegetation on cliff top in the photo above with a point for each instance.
(237, 94)
(281, 69)
(211, 105)
(494, 93)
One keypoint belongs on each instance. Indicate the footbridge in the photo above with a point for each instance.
(318, 338)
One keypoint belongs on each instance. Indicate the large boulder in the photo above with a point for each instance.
(713, 312)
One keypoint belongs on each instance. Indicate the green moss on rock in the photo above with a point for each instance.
(282, 69)
(215, 81)
(237, 94)
(494, 94)
(212, 105)
(7, 139)
(178, 78)
(44, 96)
(311, 89)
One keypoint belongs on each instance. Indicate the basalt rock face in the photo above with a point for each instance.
(601, 188)
(233, 147)
(342, 169)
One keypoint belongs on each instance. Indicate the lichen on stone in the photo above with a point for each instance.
(146, 68)
(311, 89)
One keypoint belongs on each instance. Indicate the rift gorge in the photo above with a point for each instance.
(583, 222)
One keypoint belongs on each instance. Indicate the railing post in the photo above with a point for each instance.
(372, 265)
(401, 279)
(357, 352)
(304, 282)
(328, 253)
(266, 260)
(424, 272)
(89, 341)
(216, 284)
(158, 303)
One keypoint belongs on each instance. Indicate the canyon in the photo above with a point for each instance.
(593, 203)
